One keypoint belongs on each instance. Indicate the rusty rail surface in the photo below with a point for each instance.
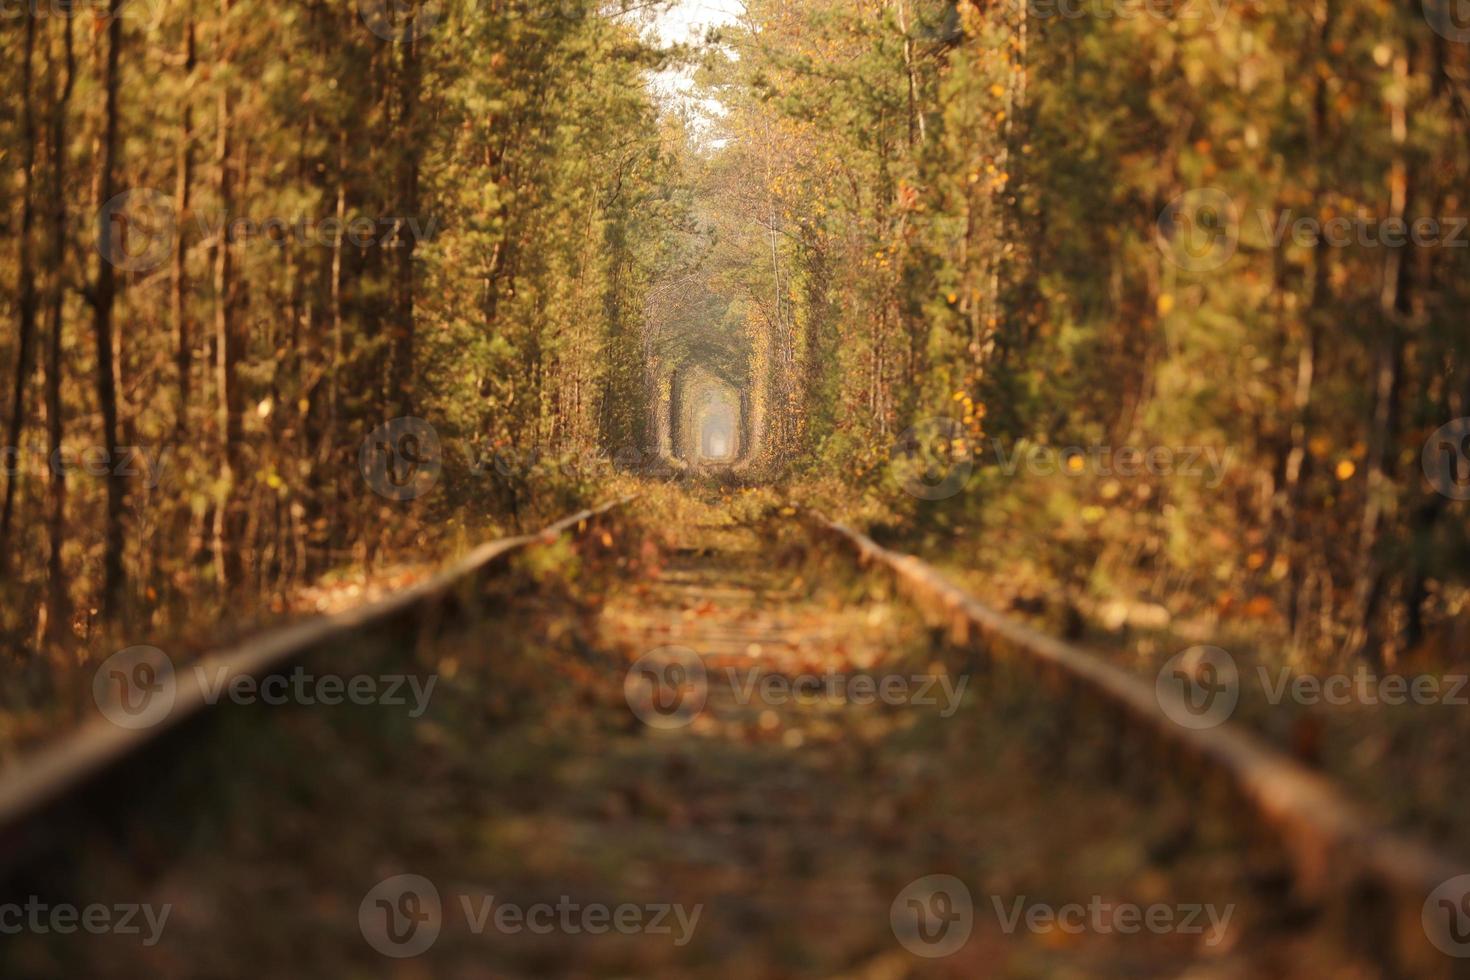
(59, 772)
(1373, 881)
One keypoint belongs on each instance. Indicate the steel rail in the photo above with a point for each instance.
(60, 771)
(1376, 881)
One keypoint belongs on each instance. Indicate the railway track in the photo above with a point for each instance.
(1374, 881)
(60, 777)
(722, 595)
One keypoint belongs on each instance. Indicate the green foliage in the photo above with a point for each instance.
(971, 217)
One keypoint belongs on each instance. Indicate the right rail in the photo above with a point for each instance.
(1374, 879)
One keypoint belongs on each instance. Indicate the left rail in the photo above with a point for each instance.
(58, 774)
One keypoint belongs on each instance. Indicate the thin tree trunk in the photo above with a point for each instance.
(226, 343)
(1296, 460)
(1363, 640)
(58, 608)
(916, 117)
(26, 291)
(183, 334)
(104, 295)
(401, 370)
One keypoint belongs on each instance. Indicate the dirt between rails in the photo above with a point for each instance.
(689, 746)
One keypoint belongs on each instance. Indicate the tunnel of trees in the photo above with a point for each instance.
(862, 215)
(707, 416)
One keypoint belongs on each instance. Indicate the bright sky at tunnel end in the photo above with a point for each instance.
(687, 22)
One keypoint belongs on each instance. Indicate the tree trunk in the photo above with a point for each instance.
(25, 290)
(226, 342)
(1363, 638)
(104, 295)
(183, 334)
(58, 607)
(401, 371)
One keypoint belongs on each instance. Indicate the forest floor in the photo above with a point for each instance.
(778, 829)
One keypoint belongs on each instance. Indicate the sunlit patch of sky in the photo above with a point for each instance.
(687, 22)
